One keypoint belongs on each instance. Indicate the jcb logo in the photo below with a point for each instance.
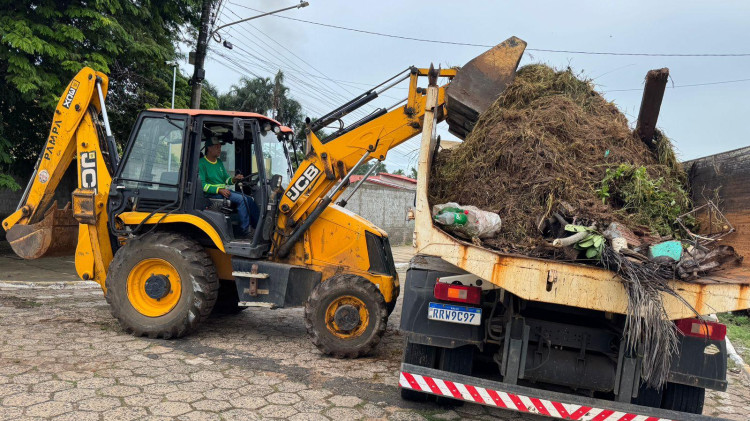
(88, 170)
(71, 94)
(305, 180)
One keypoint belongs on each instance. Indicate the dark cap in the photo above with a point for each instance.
(213, 140)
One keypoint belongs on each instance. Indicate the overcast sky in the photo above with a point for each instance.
(701, 120)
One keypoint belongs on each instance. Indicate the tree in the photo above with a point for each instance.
(264, 96)
(270, 98)
(413, 173)
(379, 168)
(399, 172)
(44, 43)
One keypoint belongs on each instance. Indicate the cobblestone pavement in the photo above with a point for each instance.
(63, 357)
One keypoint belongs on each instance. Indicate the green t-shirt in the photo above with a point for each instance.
(213, 175)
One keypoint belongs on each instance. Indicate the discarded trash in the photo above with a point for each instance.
(477, 224)
(452, 216)
(712, 221)
(671, 249)
(697, 262)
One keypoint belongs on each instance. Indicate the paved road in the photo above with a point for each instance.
(63, 357)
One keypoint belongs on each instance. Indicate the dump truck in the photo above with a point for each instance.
(547, 337)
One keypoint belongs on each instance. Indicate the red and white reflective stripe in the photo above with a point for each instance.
(480, 395)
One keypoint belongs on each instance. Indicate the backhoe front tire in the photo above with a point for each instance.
(346, 316)
(161, 285)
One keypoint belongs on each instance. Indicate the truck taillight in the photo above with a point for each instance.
(458, 293)
(702, 329)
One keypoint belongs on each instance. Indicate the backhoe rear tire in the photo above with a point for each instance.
(161, 285)
(346, 316)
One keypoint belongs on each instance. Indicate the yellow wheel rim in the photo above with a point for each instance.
(153, 271)
(347, 303)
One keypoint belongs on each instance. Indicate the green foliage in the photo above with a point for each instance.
(379, 168)
(267, 97)
(654, 202)
(413, 173)
(592, 245)
(399, 172)
(44, 43)
(738, 330)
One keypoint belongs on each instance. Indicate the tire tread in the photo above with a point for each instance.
(202, 270)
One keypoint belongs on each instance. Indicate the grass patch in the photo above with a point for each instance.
(738, 330)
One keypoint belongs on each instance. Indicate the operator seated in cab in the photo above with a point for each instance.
(214, 179)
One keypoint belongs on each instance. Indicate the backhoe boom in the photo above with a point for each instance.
(38, 228)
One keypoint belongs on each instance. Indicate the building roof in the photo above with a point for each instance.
(397, 176)
(382, 179)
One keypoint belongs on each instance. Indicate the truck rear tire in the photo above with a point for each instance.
(648, 397)
(423, 356)
(456, 360)
(161, 285)
(346, 316)
(684, 398)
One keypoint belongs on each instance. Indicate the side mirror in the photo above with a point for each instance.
(238, 129)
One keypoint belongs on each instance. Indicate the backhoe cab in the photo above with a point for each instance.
(166, 255)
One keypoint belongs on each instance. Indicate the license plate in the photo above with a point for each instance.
(455, 314)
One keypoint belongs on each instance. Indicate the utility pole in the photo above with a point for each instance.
(200, 54)
(205, 35)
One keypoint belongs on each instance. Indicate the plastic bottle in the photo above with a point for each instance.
(452, 216)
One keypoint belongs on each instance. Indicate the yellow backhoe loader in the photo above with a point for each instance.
(165, 255)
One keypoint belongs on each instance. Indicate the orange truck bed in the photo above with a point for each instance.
(593, 288)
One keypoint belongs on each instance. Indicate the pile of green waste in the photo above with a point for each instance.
(551, 145)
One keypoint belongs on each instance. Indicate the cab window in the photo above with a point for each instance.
(156, 154)
(275, 159)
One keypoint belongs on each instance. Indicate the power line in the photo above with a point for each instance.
(299, 58)
(234, 65)
(545, 50)
(310, 89)
(320, 88)
(684, 86)
(323, 98)
(242, 70)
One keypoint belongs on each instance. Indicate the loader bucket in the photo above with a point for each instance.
(479, 83)
(55, 235)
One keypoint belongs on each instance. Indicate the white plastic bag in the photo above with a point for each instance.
(479, 223)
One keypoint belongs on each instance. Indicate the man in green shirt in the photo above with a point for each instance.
(214, 179)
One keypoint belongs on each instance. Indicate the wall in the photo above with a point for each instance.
(385, 207)
(9, 199)
(727, 174)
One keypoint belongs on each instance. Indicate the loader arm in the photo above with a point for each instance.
(321, 177)
(38, 228)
